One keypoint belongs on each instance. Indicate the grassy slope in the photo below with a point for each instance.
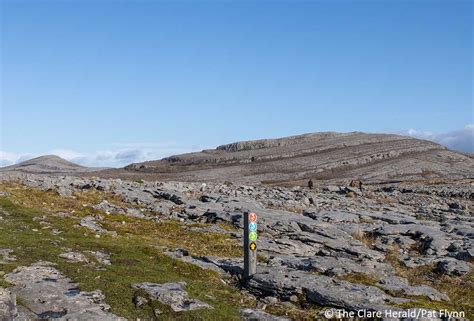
(136, 254)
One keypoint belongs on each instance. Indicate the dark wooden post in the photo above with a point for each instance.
(250, 244)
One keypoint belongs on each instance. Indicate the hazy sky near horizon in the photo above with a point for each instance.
(107, 83)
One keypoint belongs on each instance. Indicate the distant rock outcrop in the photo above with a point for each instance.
(319, 156)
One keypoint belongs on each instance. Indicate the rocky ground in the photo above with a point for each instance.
(109, 248)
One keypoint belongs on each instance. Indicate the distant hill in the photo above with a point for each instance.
(47, 164)
(320, 156)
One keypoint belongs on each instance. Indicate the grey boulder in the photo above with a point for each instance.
(172, 294)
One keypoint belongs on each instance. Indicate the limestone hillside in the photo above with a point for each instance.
(320, 156)
(48, 164)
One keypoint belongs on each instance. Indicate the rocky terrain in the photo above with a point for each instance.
(320, 156)
(89, 247)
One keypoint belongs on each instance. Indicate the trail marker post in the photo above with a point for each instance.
(250, 244)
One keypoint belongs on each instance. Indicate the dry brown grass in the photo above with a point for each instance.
(392, 257)
(295, 312)
(359, 278)
(460, 290)
(367, 238)
(386, 199)
(366, 219)
(293, 209)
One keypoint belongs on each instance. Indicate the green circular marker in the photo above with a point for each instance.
(253, 236)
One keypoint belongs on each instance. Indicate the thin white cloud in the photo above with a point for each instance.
(8, 158)
(460, 140)
(105, 158)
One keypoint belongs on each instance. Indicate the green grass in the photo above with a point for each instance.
(135, 254)
(4, 284)
(172, 234)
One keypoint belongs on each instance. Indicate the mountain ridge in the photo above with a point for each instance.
(320, 156)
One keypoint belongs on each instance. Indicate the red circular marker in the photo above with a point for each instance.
(252, 217)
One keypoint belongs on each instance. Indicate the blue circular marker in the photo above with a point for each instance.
(253, 226)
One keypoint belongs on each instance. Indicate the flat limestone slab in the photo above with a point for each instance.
(8, 309)
(172, 294)
(49, 294)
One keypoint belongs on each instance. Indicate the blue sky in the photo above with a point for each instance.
(110, 82)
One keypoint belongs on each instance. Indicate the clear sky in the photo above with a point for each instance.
(109, 82)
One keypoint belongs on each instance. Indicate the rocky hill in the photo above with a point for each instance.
(320, 156)
(48, 164)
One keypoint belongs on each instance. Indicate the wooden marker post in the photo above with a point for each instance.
(250, 244)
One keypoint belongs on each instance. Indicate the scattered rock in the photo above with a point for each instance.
(259, 315)
(172, 294)
(6, 257)
(91, 223)
(74, 257)
(65, 191)
(178, 253)
(319, 289)
(101, 257)
(169, 197)
(138, 301)
(453, 267)
(465, 255)
(109, 208)
(270, 300)
(49, 294)
(396, 284)
(8, 308)
(332, 189)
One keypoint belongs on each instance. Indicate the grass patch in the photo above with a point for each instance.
(294, 312)
(366, 238)
(51, 201)
(172, 234)
(4, 284)
(227, 226)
